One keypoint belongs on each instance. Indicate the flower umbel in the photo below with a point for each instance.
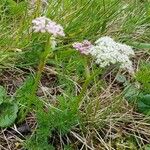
(39, 24)
(83, 47)
(43, 24)
(107, 51)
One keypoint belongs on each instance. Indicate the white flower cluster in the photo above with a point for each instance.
(106, 51)
(43, 24)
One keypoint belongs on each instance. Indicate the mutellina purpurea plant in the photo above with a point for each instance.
(50, 30)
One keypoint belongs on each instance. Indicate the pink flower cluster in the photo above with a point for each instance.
(43, 24)
(83, 47)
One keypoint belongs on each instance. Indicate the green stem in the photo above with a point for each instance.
(41, 66)
(87, 71)
(38, 8)
(32, 98)
(84, 88)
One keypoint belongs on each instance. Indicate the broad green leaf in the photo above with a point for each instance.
(131, 92)
(143, 107)
(145, 99)
(8, 114)
(2, 94)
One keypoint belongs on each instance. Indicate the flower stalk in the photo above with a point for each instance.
(43, 59)
(86, 67)
(41, 65)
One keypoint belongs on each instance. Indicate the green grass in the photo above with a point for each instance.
(103, 119)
